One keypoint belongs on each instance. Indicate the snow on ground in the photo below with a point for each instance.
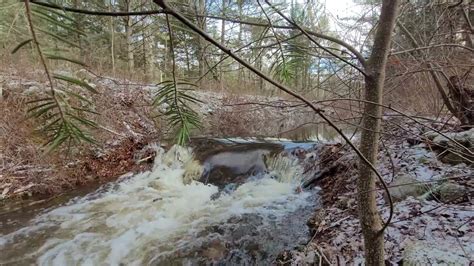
(429, 226)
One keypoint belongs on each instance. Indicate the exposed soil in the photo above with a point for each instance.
(84, 170)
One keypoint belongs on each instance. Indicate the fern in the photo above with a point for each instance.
(53, 18)
(60, 57)
(180, 116)
(75, 81)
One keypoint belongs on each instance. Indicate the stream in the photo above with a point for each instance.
(236, 203)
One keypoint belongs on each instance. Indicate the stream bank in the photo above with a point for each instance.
(433, 221)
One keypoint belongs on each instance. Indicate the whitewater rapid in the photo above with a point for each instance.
(155, 216)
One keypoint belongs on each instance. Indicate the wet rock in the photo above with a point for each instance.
(242, 231)
(426, 253)
(451, 192)
(216, 250)
(247, 218)
(449, 151)
(455, 158)
(405, 186)
(284, 258)
(465, 138)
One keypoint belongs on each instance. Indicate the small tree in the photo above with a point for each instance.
(370, 221)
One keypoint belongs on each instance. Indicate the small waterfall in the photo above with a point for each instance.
(167, 216)
(285, 169)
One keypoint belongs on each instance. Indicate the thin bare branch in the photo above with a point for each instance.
(318, 111)
(294, 24)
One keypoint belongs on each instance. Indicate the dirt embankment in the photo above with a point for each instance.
(27, 170)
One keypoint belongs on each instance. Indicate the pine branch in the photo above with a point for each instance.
(43, 60)
(63, 122)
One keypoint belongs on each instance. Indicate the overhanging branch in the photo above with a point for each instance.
(282, 87)
(294, 24)
(97, 13)
(349, 47)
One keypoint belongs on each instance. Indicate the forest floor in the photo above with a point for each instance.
(433, 215)
(429, 220)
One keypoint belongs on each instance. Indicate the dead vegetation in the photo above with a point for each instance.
(27, 170)
(438, 211)
(127, 124)
(256, 116)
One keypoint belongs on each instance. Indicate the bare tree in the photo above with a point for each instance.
(128, 23)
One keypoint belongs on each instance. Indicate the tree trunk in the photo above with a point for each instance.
(201, 21)
(149, 55)
(461, 107)
(145, 53)
(239, 38)
(463, 99)
(188, 60)
(221, 74)
(79, 26)
(128, 37)
(369, 217)
(112, 37)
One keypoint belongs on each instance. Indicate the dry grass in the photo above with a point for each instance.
(22, 162)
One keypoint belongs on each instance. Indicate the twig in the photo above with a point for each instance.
(322, 254)
(111, 131)
(97, 13)
(294, 24)
(392, 164)
(432, 46)
(234, 20)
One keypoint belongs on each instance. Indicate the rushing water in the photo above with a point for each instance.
(166, 216)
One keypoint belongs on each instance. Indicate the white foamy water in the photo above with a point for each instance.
(147, 217)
